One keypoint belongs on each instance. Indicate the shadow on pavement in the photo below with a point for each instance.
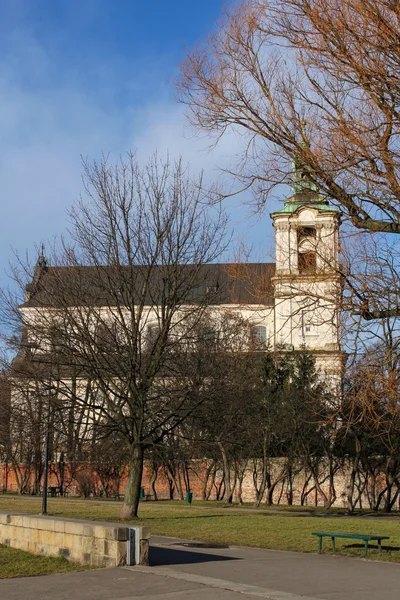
(371, 547)
(171, 556)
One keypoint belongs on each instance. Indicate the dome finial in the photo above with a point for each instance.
(303, 180)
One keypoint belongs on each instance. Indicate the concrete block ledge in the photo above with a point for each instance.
(86, 542)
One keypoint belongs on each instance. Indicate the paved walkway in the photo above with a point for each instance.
(181, 571)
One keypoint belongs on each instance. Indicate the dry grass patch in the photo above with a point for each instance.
(16, 563)
(278, 530)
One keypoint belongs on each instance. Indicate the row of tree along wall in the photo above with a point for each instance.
(331, 485)
(337, 448)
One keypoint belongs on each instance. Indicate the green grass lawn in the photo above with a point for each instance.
(279, 530)
(16, 563)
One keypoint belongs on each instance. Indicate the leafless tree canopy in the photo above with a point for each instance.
(107, 317)
(311, 81)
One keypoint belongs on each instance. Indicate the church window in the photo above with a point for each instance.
(259, 337)
(210, 335)
(57, 339)
(306, 232)
(106, 334)
(206, 339)
(309, 328)
(307, 262)
(152, 335)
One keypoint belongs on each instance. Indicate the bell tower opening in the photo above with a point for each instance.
(306, 245)
(307, 262)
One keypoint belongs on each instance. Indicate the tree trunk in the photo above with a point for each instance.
(388, 498)
(173, 473)
(289, 486)
(212, 484)
(241, 469)
(260, 489)
(379, 499)
(171, 488)
(132, 493)
(305, 491)
(351, 485)
(270, 493)
(227, 472)
(179, 481)
(271, 485)
(154, 475)
(220, 488)
(205, 480)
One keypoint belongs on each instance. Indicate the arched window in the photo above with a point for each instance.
(152, 334)
(106, 333)
(259, 337)
(307, 262)
(306, 232)
(306, 257)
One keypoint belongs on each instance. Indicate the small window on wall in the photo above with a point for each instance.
(58, 340)
(209, 337)
(152, 335)
(307, 262)
(259, 337)
(308, 327)
(106, 334)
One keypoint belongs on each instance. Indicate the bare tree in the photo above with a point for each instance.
(5, 407)
(370, 418)
(108, 315)
(314, 83)
(273, 63)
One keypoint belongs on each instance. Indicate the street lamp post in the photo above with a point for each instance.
(46, 456)
(45, 472)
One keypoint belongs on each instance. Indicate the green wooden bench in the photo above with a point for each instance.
(350, 536)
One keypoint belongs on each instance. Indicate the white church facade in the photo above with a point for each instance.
(307, 283)
(289, 305)
(301, 308)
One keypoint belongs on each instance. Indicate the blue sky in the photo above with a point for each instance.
(92, 77)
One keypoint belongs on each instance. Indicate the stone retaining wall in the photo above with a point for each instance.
(86, 542)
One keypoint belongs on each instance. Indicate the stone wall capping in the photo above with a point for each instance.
(86, 542)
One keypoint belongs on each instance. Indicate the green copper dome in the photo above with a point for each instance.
(310, 199)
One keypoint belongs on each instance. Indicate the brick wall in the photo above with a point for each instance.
(196, 472)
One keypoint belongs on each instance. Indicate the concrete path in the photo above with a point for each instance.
(183, 571)
(302, 575)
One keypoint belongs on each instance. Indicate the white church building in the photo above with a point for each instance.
(295, 303)
(289, 305)
(306, 284)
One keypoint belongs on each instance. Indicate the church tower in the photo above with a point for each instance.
(307, 285)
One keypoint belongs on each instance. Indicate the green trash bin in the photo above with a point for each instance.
(141, 495)
(189, 497)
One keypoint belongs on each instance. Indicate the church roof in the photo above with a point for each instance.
(309, 199)
(290, 208)
(228, 283)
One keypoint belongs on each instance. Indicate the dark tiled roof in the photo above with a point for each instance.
(114, 286)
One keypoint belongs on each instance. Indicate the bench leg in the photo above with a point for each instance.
(320, 544)
(333, 544)
(366, 547)
(379, 546)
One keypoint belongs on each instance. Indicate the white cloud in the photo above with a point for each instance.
(164, 127)
(46, 124)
